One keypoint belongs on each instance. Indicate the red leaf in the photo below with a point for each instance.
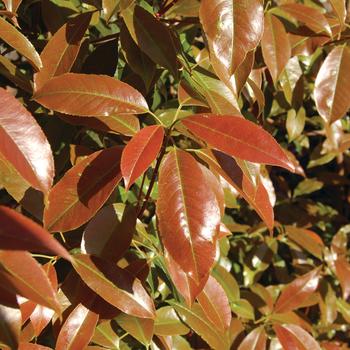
(332, 85)
(233, 28)
(18, 41)
(215, 304)
(342, 270)
(238, 137)
(23, 144)
(83, 190)
(20, 233)
(275, 46)
(23, 275)
(255, 340)
(77, 330)
(296, 292)
(115, 285)
(189, 216)
(293, 337)
(185, 285)
(90, 95)
(62, 49)
(30, 346)
(140, 152)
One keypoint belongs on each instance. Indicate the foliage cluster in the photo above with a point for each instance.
(174, 174)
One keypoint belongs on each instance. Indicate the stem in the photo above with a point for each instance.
(153, 179)
(140, 192)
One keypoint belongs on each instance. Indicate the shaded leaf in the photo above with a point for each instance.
(232, 28)
(275, 46)
(140, 328)
(228, 283)
(83, 190)
(167, 322)
(24, 144)
(215, 304)
(18, 232)
(19, 42)
(239, 138)
(115, 285)
(342, 270)
(90, 95)
(189, 222)
(77, 330)
(140, 152)
(332, 83)
(109, 233)
(27, 278)
(62, 49)
(255, 340)
(296, 292)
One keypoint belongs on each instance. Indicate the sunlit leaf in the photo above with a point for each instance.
(189, 222)
(167, 322)
(83, 190)
(23, 143)
(140, 152)
(90, 95)
(332, 83)
(255, 340)
(77, 330)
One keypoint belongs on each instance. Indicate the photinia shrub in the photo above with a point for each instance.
(174, 174)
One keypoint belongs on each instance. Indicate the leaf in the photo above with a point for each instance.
(228, 283)
(24, 144)
(340, 11)
(232, 28)
(77, 330)
(83, 190)
(12, 5)
(295, 123)
(311, 17)
(239, 138)
(140, 152)
(167, 322)
(189, 222)
(332, 83)
(109, 7)
(20, 273)
(228, 168)
(255, 340)
(188, 96)
(62, 49)
(115, 285)
(125, 124)
(19, 42)
(215, 304)
(154, 38)
(242, 308)
(275, 46)
(140, 328)
(306, 239)
(109, 233)
(184, 284)
(31, 346)
(296, 292)
(90, 95)
(17, 232)
(106, 334)
(10, 325)
(196, 319)
(293, 337)
(342, 270)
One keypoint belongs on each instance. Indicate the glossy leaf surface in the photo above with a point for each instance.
(115, 285)
(140, 152)
(18, 41)
(239, 138)
(77, 330)
(331, 84)
(23, 143)
(189, 233)
(90, 95)
(255, 340)
(83, 190)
